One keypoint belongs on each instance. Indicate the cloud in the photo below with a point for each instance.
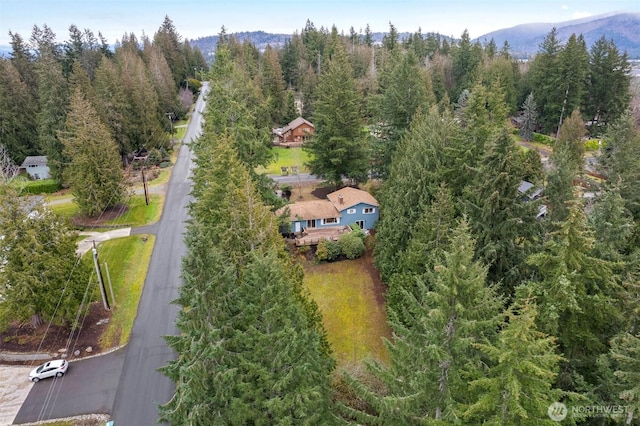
(565, 7)
(579, 15)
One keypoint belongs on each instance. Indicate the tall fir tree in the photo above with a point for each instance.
(432, 354)
(95, 171)
(339, 148)
(523, 366)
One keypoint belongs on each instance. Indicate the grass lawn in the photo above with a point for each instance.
(286, 157)
(128, 260)
(348, 294)
(139, 213)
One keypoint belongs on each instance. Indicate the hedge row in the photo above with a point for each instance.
(45, 186)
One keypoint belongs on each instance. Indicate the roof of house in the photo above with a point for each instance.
(526, 186)
(295, 124)
(331, 207)
(307, 210)
(40, 160)
(351, 197)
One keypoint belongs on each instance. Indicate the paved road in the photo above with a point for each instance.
(142, 388)
(126, 383)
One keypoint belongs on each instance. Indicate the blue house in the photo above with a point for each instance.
(36, 167)
(339, 210)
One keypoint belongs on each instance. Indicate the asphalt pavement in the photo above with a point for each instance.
(126, 383)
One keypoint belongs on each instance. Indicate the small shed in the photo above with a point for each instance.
(36, 167)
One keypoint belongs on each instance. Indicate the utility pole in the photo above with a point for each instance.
(103, 291)
(144, 184)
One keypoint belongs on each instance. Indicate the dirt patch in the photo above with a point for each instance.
(21, 338)
(96, 221)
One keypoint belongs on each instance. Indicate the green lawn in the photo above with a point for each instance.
(352, 309)
(139, 214)
(286, 157)
(127, 260)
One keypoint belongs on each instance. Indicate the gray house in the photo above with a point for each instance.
(36, 167)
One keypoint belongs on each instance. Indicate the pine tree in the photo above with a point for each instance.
(169, 42)
(523, 366)
(252, 349)
(17, 110)
(95, 172)
(404, 89)
(432, 355)
(273, 85)
(546, 81)
(427, 156)
(42, 279)
(620, 163)
(504, 225)
(339, 149)
(529, 114)
(54, 99)
(577, 297)
(625, 350)
(608, 83)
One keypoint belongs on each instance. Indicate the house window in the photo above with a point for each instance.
(369, 210)
(351, 211)
(311, 223)
(330, 220)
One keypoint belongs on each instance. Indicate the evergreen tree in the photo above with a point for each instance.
(252, 349)
(273, 85)
(518, 387)
(465, 63)
(625, 350)
(577, 300)
(17, 111)
(546, 81)
(339, 148)
(42, 279)
(404, 89)
(240, 111)
(142, 120)
(608, 83)
(504, 225)
(54, 98)
(169, 42)
(95, 172)
(573, 62)
(529, 114)
(429, 154)
(620, 161)
(162, 80)
(112, 104)
(432, 357)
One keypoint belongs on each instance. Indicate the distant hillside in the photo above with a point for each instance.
(525, 40)
(261, 39)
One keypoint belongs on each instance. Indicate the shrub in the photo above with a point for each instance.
(328, 250)
(591, 145)
(540, 138)
(165, 164)
(351, 245)
(45, 186)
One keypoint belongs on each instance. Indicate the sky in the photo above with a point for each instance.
(200, 18)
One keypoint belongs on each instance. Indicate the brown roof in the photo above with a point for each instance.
(350, 198)
(295, 124)
(306, 210)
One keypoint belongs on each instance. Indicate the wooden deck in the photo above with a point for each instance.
(311, 237)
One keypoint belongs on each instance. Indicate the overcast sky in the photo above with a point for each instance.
(199, 18)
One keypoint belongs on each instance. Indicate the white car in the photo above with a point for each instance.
(55, 368)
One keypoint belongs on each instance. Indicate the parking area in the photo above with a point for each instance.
(14, 388)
